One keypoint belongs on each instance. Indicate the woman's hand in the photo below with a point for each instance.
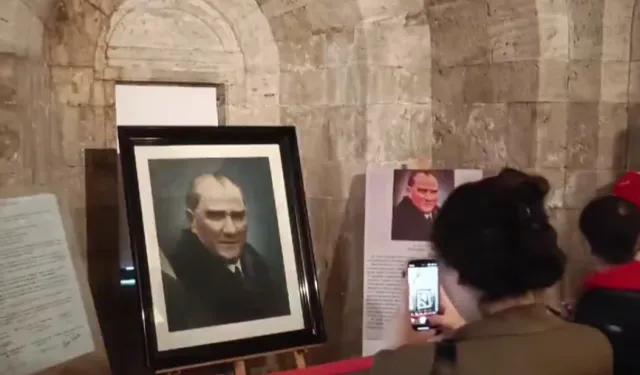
(400, 332)
(448, 320)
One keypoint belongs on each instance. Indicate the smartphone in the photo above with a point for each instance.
(424, 292)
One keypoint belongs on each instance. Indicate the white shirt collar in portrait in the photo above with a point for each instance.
(233, 266)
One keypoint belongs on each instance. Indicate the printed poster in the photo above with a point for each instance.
(400, 208)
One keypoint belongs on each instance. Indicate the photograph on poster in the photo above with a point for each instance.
(220, 237)
(417, 197)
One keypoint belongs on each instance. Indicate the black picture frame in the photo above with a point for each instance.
(313, 333)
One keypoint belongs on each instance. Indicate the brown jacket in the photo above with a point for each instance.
(519, 341)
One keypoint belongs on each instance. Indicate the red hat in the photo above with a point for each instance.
(628, 187)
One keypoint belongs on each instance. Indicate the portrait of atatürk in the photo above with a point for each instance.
(418, 195)
(214, 271)
(219, 232)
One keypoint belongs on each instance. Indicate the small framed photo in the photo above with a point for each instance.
(221, 243)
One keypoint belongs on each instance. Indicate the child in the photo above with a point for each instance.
(611, 226)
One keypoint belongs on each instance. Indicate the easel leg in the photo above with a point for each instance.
(272, 363)
(239, 368)
(300, 360)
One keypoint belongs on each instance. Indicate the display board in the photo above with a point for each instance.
(401, 206)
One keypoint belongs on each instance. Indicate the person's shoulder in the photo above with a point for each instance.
(406, 360)
(594, 345)
(586, 333)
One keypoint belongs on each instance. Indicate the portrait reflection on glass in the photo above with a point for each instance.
(423, 292)
(214, 276)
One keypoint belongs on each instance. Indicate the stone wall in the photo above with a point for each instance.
(25, 96)
(546, 85)
(24, 120)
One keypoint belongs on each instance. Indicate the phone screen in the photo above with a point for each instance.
(424, 292)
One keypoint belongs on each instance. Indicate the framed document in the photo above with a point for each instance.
(221, 242)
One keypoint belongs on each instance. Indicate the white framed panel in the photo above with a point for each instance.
(144, 104)
(165, 105)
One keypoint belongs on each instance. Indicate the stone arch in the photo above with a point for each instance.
(553, 38)
(22, 29)
(389, 92)
(615, 96)
(25, 96)
(397, 50)
(550, 113)
(234, 47)
(597, 120)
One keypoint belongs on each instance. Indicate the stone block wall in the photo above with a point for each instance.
(359, 98)
(25, 96)
(545, 85)
(25, 119)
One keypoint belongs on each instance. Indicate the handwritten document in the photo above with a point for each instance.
(43, 321)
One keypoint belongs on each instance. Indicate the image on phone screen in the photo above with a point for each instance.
(422, 277)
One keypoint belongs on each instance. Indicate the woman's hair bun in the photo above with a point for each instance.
(508, 246)
(526, 187)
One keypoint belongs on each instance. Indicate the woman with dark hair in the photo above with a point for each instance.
(497, 251)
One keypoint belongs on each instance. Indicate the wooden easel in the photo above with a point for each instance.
(239, 364)
(240, 368)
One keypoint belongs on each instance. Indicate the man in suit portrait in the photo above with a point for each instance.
(214, 276)
(412, 218)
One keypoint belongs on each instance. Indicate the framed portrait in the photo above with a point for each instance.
(221, 242)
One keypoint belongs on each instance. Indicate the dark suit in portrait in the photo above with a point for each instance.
(206, 292)
(410, 224)
(412, 218)
(214, 276)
